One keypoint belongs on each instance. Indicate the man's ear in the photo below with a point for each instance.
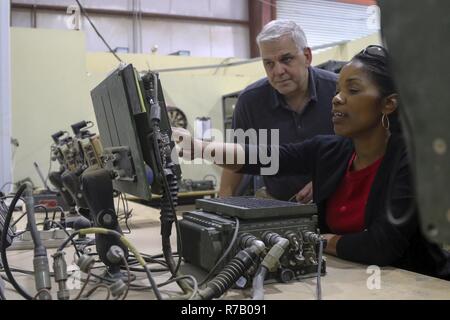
(391, 104)
(308, 54)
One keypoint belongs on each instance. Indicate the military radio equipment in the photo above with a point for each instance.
(209, 230)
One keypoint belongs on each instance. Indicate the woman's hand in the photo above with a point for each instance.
(188, 147)
(332, 240)
(306, 194)
(216, 152)
(180, 134)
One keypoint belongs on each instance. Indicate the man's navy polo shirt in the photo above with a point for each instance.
(260, 106)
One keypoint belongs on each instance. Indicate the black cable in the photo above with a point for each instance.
(40, 206)
(225, 254)
(6, 184)
(8, 272)
(5, 278)
(156, 256)
(62, 216)
(17, 270)
(319, 271)
(92, 290)
(162, 263)
(12, 197)
(68, 235)
(148, 260)
(132, 260)
(46, 214)
(194, 284)
(89, 124)
(151, 269)
(118, 203)
(83, 11)
(2, 289)
(17, 221)
(127, 212)
(153, 284)
(126, 215)
(85, 244)
(129, 277)
(69, 239)
(3, 205)
(167, 196)
(133, 287)
(89, 273)
(110, 280)
(166, 242)
(118, 235)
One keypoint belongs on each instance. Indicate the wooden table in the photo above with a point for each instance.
(344, 280)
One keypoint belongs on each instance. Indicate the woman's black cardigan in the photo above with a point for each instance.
(381, 243)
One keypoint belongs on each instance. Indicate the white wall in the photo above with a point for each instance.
(5, 96)
(49, 93)
(202, 39)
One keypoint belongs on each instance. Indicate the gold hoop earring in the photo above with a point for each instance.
(385, 121)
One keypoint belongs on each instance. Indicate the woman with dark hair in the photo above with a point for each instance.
(361, 176)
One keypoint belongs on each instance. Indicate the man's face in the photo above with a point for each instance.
(286, 67)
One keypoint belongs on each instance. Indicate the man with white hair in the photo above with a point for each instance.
(294, 98)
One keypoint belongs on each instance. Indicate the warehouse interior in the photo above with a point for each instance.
(199, 58)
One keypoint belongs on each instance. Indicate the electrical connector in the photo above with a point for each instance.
(118, 287)
(60, 271)
(85, 262)
(115, 254)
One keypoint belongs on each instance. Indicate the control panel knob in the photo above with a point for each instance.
(286, 275)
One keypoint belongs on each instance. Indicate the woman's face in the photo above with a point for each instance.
(357, 106)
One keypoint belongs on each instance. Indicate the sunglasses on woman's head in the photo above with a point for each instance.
(375, 51)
